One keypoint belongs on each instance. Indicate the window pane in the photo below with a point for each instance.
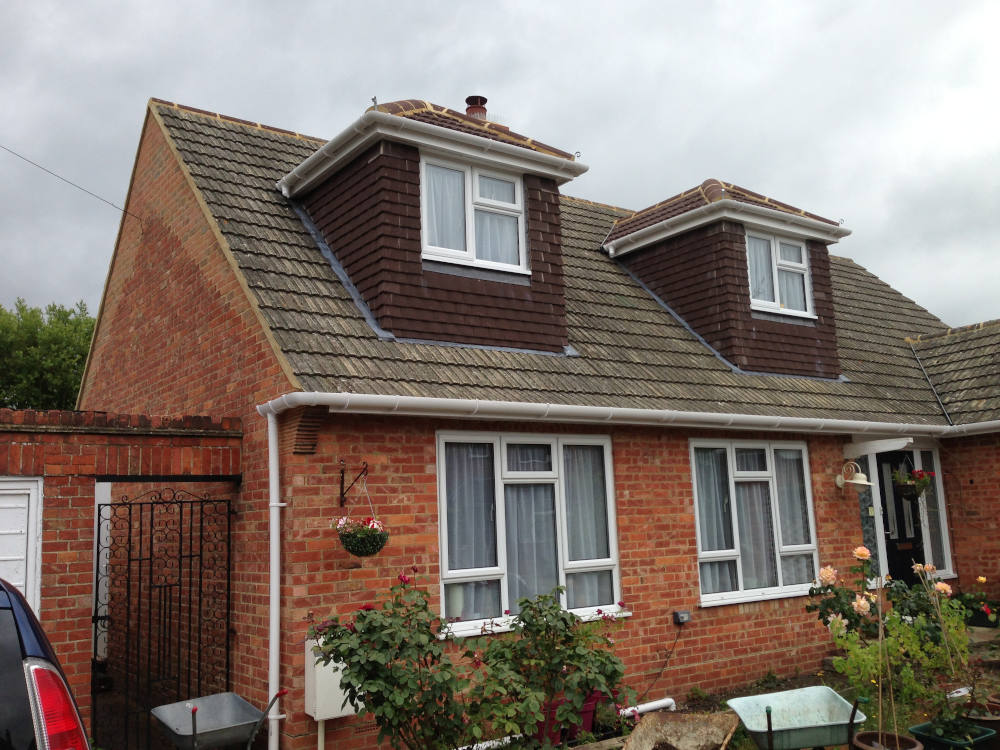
(586, 504)
(522, 457)
(751, 459)
(761, 280)
(789, 252)
(497, 190)
(532, 562)
(471, 505)
(789, 474)
(718, 576)
(478, 600)
(753, 512)
(496, 237)
(589, 589)
(935, 515)
(715, 521)
(445, 207)
(793, 289)
(797, 569)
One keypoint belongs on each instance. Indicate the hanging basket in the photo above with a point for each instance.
(363, 541)
(907, 490)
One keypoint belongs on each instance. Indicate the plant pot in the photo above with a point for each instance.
(885, 741)
(906, 490)
(587, 714)
(977, 738)
(363, 544)
(988, 719)
(549, 728)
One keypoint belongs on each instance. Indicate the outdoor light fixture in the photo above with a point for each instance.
(851, 473)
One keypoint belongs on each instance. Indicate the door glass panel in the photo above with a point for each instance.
(935, 515)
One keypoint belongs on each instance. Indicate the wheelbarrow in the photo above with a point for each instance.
(793, 719)
(226, 719)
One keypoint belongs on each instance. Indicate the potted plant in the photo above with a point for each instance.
(911, 484)
(361, 538)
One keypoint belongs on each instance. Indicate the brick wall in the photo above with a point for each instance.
(369, 214)
(67, 450)
(722, 646)
(702, 275)
(178, 334)
(971, 468)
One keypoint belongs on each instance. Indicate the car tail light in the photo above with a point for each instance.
(57, 722)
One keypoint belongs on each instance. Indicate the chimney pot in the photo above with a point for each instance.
(476, 107)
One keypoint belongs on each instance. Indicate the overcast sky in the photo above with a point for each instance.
(882, 114)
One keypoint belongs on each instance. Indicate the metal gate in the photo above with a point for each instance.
(161, 610)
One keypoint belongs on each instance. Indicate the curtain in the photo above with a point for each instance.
(789, 474)
(496, 237)
(715, 524)
(753, 512)
(589, 589)
(532, 564)
(472, 531)
(496, 190)
(445, 207)
(792, 286)
(761, 281)
(797, 569)
(529, 457)
(586, 524)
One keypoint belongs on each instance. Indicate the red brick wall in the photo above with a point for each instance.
(67, 450)
(369, 214)
(971, 468)
(177, 334)
(702, 275)
(721, 647)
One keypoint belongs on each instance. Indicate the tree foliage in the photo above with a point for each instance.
(42, 355)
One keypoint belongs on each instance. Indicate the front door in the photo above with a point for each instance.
(900, 519)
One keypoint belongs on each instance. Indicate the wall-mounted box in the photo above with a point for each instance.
(324, 698)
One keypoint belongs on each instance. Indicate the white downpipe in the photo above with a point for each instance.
(321, 735)
(274, 579)
(644, 708)
(458, 408)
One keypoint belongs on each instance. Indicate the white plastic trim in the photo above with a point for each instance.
(274, 580)
(373, 126)
(750, 215)
(421, 406)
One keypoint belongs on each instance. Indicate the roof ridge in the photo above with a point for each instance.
(595, 203)
(957, 330)
(236, 120)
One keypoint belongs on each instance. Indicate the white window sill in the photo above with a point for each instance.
(757, 595)
(759, 307)
(502, 624)
(444, 257)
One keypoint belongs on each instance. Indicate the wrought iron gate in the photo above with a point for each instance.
(161, 610)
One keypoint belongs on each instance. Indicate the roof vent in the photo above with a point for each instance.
(476, 107)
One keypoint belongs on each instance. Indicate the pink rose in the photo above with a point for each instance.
(828, 575)
(862, 553)
(942, 588)
(861, 605)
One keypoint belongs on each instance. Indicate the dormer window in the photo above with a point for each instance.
(779, 275)
(472, 216)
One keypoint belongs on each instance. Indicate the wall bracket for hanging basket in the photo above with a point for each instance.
(343, 472)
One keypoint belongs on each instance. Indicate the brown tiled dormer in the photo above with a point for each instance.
(368, 208)
(691, 252)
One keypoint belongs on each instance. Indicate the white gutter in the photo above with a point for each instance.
(373, 126)
(274, 579)
(760, 217)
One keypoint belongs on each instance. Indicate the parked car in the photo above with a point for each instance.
(37, 709)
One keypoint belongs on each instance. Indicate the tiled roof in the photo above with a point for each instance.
(435, 114)
(632, 352)
(964, 366)
(708, 192)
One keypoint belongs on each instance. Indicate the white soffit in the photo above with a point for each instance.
(750, 215)
(374, 126)
(859, 448)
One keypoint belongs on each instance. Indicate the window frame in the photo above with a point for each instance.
(32, 487)
(778, 264)
(473, 202)
(502, 477)
(780, 550)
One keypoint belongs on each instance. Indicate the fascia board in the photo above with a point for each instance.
(748, 214)
(373, 126)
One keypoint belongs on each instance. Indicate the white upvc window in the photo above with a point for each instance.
(779, 275)
(472, 216)
(520, 515)
(754, 516)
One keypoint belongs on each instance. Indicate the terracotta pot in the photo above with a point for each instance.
(885, 741)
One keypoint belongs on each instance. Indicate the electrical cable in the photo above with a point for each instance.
(666, 662)
(70, 182)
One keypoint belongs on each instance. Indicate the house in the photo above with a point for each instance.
(650, 407)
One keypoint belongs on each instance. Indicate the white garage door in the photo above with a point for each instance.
(20, 534)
